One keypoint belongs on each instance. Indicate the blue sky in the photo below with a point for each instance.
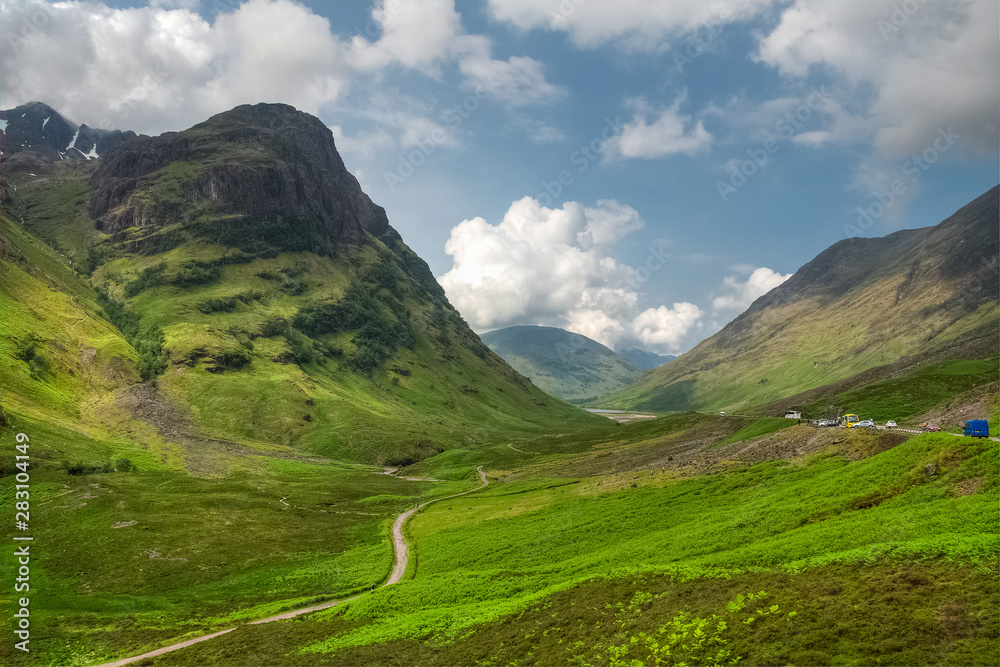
(636, 171)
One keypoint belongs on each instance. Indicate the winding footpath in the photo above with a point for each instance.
(399, 546)
(401, 553)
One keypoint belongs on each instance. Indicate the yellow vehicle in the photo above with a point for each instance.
(850, 421)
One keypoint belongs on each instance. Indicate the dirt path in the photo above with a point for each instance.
(517, 450)
(399, 546)
(400, 550)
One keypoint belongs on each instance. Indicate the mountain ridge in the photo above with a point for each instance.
(849, 309)
(35, 136)
(565, 364)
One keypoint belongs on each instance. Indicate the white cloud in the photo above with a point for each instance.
(164, 67)
(518, 81)
(423, 34)
(152, 69)
(920, 69)
(417, 33)
(665, 328)
(815, 138)
(634, 24)
(737, 296)
(555, 267)
(669, 133)
(363, 144)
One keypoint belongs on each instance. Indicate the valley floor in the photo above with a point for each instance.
(780, 542)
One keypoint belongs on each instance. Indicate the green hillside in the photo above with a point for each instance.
(860, 304)
(251, 327)
(564, 364)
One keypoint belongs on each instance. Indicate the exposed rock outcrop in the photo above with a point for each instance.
(260, 163)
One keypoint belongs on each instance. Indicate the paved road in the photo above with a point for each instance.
(400, 550)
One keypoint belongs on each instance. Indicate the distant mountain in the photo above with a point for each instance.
(564, 364)
(231, 285)
(645, 360)
(862, 303)
(35, 135)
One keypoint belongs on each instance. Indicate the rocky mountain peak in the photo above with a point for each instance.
(250, 165)
(34, 135)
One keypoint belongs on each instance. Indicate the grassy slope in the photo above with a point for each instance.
(562, 363)
(906, 294)
(82, 356)
(805, 351)
(516, 549)
(444, 391)
(177, 558)
(123, 562)
(533, 571)
(913, 394)
(434, 399)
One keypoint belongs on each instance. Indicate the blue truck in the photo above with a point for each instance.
(977, 428)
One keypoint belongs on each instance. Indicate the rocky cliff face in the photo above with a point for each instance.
(253, 165)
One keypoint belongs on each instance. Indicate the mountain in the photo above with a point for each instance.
(35, 135)
(564, 364)
(860, 304)
(645, 360)
(232, 286)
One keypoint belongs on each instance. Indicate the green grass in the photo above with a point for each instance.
(912, 394)
(881, 560)
(482, 558)
(124, 562)
(54, 207)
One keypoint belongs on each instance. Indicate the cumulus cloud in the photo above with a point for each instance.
(518, 81)
(669, 133)
(423, 34)
(156, 68)
(555, 267)
(919, 66)
(738, 295)
(664, 328)
(634, 24)
(164, 67)
(415, 34)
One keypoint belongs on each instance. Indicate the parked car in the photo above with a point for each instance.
(977, 428)
(890, 424)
